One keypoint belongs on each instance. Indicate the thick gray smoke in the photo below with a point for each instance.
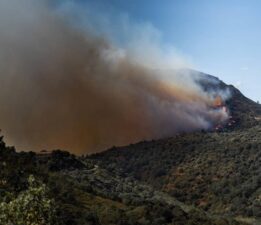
(61, 87)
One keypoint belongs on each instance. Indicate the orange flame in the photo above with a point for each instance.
(218, 102)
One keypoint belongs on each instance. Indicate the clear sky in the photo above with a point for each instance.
(220, 37)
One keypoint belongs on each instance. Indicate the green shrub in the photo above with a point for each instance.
(30, 207)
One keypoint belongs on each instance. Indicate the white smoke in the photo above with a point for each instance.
(75, 87)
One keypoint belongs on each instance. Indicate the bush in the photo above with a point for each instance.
(30, 207)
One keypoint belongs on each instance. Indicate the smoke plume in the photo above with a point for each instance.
(69, 88)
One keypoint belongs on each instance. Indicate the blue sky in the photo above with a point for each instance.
(220, 37)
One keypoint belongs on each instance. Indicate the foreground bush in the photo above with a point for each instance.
(30, 207)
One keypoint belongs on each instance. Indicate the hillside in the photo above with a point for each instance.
(242, 110)
(218, 172)
(85, 193)
(201, 178)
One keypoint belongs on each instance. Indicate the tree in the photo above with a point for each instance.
(30, 207)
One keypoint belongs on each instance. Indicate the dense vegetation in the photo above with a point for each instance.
(81, 192)
(218, 172)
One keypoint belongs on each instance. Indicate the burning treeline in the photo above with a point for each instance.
(63, 88)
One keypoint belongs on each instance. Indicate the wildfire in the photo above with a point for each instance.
(218, 102)
(231, 122)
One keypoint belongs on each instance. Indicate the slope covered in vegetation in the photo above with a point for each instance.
(84, 193)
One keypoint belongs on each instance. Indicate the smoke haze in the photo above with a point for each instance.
(65, 87)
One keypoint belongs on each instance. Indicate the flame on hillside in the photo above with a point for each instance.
(218, 102)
